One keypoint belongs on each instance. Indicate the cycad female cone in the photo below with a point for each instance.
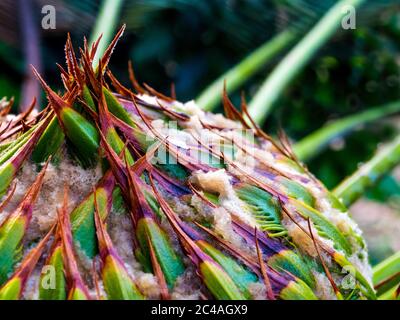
(110, 193)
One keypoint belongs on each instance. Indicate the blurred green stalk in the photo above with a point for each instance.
(387, 269)
(262, 103)
(315, 142)
(350, 189)
(240, 73)
(106, 24)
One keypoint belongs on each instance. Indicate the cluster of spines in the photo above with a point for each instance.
(98, 126)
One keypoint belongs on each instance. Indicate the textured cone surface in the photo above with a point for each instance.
(204, 183)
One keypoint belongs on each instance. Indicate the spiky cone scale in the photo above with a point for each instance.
(83, 135)
(241, 276)
(10, 167)
(218, 282)
(148, 233)
(293, 214)
(6, 145)
(150, 237)
(87, 97)
(14, 287)
(76, 287)
(326, 229)
(215, 278)
(107, 127)
(8, 152)
(14, 227)
(49, 143)
(266, 210)
(116, 108)
(116, 280)
(285, 287)
(279, 258)
(82, 216)
(52, 283)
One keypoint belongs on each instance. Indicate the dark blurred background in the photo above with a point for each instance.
(191, 43)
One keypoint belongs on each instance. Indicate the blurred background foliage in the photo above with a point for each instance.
(191, 43)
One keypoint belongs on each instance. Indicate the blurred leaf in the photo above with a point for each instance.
(312, 144)
(386, 191)
(369, 173)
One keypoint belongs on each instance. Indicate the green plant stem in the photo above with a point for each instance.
(389, 295)
(315, 142)
(386, 268)
(236, 76)
(262, 103)
(350, 189)
(106, 24)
